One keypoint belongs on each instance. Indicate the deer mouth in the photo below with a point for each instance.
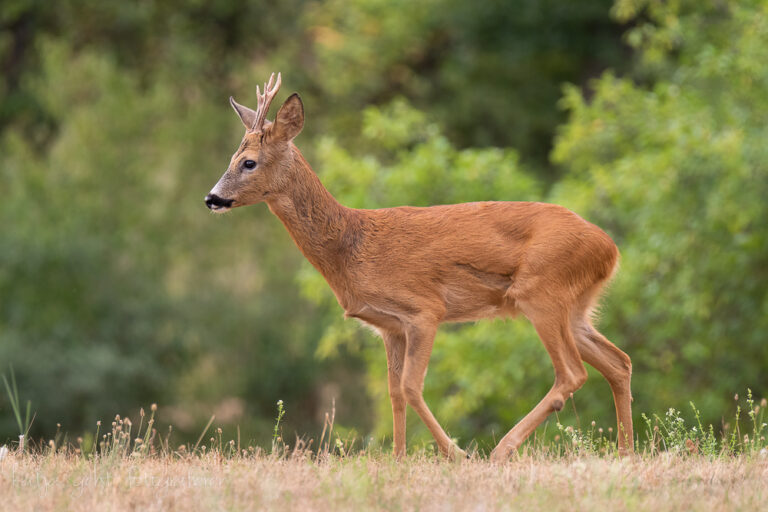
(218, 204)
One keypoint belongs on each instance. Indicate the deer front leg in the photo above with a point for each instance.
(394, 343)
(419, 340)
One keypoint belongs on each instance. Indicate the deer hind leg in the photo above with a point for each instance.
(419, 340)
(616, 367)
(394, 343)
(553, 327)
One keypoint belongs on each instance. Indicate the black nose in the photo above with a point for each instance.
(212, 200)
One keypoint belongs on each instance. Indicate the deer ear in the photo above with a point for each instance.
(247, 116)
(290, 118)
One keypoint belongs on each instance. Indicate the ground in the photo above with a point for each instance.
(661, 482)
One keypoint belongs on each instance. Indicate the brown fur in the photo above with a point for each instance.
(406, 270)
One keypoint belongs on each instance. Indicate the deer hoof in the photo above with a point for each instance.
(456, 454)
(499, 455)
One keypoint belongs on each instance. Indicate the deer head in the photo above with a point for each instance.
(261, 165)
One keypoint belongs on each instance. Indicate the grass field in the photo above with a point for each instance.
(678, 466)
(366, 482)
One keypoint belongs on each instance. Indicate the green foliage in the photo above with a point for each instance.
(678, 174)
(117, 285)
(488, 72)
(671, 433)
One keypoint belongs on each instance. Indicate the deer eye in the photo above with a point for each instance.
(249, 164)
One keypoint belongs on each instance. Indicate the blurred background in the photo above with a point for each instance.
(118, 289)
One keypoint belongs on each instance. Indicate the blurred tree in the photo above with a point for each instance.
(678, 173)
(489, 72)
(118, 289)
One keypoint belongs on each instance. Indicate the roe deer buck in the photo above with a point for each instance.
(406, 270)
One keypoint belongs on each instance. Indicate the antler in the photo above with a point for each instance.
(264, 100)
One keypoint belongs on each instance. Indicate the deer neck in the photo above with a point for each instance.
(319, 225)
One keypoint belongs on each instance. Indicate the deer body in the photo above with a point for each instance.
(406, 270)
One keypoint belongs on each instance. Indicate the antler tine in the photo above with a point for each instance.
(265, 99)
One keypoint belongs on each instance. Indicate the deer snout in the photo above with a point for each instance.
(215, 202)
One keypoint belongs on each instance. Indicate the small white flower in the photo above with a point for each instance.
(3, 452)
(763, 453)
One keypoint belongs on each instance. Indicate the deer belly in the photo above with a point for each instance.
(468, 303)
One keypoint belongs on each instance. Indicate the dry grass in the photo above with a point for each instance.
(680, 466)
(261, 482)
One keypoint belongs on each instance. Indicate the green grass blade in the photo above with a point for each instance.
(202, 434)
(13, 397)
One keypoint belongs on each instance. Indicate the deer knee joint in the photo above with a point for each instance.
(621, 372)
(569, 383)
(627, 364)
(412, 394)
(397, 398)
